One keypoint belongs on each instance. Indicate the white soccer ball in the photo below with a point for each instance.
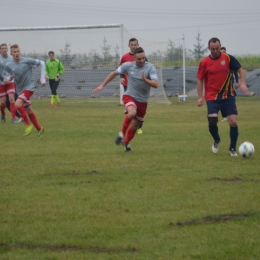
(246, 149)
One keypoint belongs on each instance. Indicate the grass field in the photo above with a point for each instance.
(74, 194)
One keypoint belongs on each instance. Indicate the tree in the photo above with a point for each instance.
(173, 53)
(198, 51)
(106, 51)
(66, 57)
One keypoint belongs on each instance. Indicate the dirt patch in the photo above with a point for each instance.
(213, 219)
(233, 179)
(64, 247)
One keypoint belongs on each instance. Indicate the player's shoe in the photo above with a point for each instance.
(224, 119)
(249, 94)
(232, 152)
(51, 105)
(3, 119)
(20, 120)
(139, 131)
(28, 130)
(14, 121)
(119, 138)
(215, 147)
(127, 148)
(58, 104)
(40, 132)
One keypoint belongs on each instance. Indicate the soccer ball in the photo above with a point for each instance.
(246, 149)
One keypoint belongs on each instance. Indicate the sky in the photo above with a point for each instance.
(235, 23)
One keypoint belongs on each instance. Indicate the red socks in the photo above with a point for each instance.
(13, 110)
(3, 110)
(126, 124)
(129, 135)
(35, 121)
(24, 115)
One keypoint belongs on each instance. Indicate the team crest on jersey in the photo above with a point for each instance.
(223, 62)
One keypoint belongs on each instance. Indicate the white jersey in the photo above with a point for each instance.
(22, 72)
(137, 88)
(3, 62)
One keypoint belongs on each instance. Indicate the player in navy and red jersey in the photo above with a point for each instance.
(129, 57)
(215, 75)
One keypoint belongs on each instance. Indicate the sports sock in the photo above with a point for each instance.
(3, 110)
(24, 115)
(129, 135)
(57, 98)
(140, 125)
(233, 137)
(35, 121)
(13, 110)
(213, 129)
(52, 99)
(126, 124)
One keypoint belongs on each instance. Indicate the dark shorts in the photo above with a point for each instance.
(227, 107)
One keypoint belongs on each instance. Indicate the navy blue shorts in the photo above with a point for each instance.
(227, 107)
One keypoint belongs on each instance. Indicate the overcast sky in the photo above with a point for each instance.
(235, 23)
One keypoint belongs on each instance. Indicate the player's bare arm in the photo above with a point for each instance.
(152, 83)
(243, 86)
(200, 92)
(109, 78)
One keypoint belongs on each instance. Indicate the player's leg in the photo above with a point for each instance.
(51, 83)
(128, 102)
(3, 105)
(34, 120)
(131, 113)
(11, 99)
(19, 105)
(136, 113)
(3, 94)
(213, 108)
(140, 130)
(55, 86)
(231, 110)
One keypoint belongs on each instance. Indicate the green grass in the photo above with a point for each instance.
(74, 194)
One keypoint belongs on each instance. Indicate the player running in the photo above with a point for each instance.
(20, 69)
(7, 90)
(141, 77)
(215, 74)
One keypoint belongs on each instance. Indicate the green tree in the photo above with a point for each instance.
(106, 52)
(65, 56)
(173, 53)
(199, 50)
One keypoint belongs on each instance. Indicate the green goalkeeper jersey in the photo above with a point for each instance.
(54, 68)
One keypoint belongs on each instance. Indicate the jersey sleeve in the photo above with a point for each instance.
(123, 68)
(33, 62)
(234, 64)
(153, 74)
(201, 71)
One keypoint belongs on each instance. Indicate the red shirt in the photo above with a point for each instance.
(217, 76)
(125, 58)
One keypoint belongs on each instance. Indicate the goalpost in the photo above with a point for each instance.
(89, 54)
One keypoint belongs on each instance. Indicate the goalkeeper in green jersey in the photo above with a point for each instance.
(53, 71)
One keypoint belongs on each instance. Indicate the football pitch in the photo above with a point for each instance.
(74, 194)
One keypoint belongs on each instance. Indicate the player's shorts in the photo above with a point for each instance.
(25, 96)
(227, 107)
(7, 89)
(140, 107)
